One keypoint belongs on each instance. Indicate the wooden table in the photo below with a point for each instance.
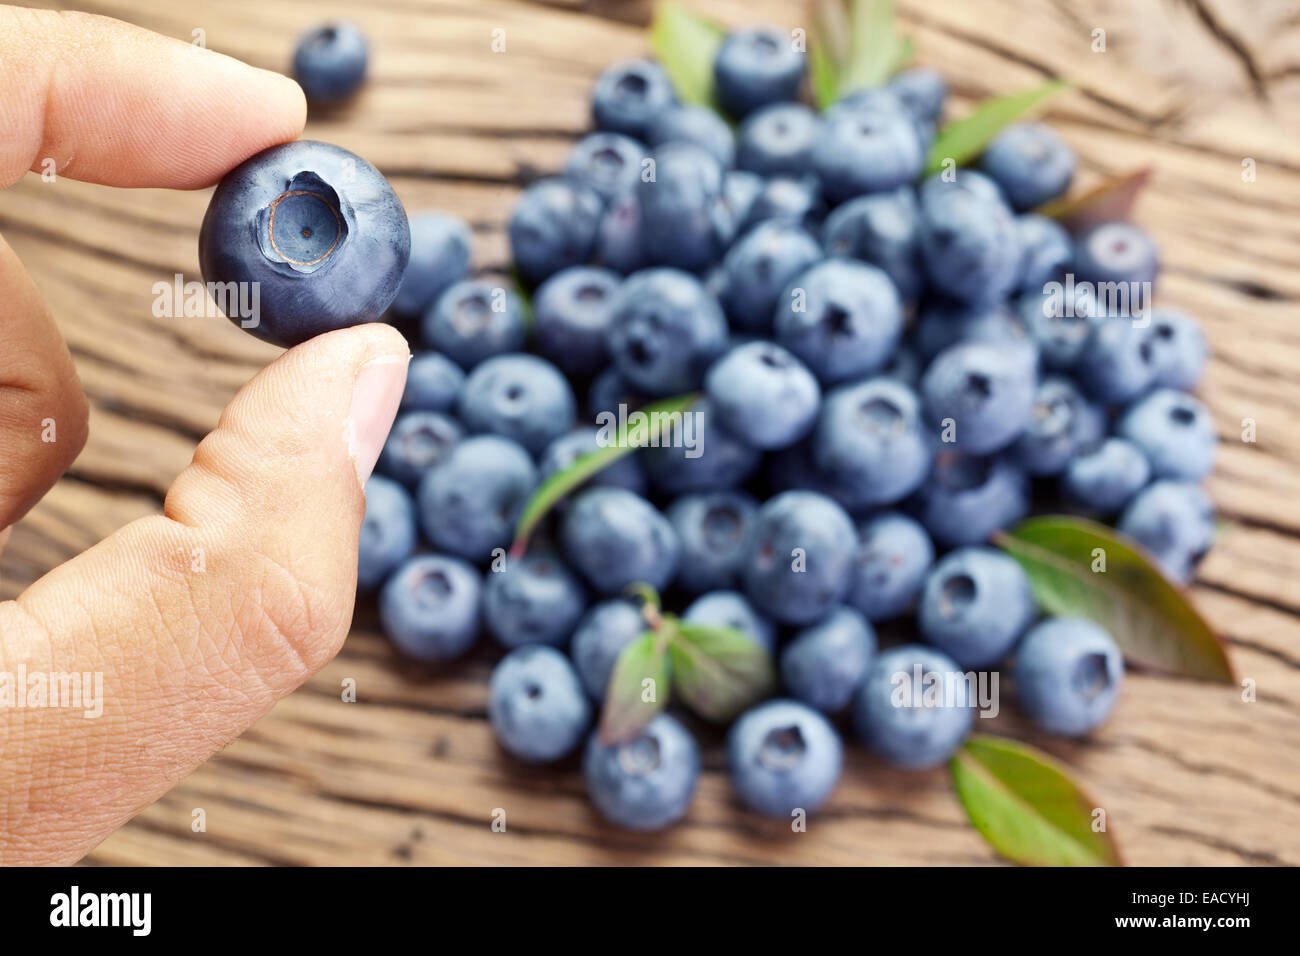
(1190, 773)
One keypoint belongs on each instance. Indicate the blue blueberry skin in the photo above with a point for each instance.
(975, 605)
(387, 532)
(564, 451)
(315, 231)
(533, 600)
(1115, 252)
(778, 140)
(1046, 251)
(784, 756)
(608, 391)
(600, 638)
(893, 715)
(629, 96)
(440, 250)
(536, 705)
(763, 393)
(1062, 423)
(1059, 327)
(713, 459)
(474, 320)
(969, 241)
(615, 538)
(330, 60)
(430, 607)
(685, 220)
(1031, 163)
(665, 329)
(1103, 479)
(794, 200)
(842, 318)
(712, 528)
(607, 163)
(1174, 520)
(698, 125)
(554, 226)
(471, 498)
(944, 322)
(893, 557)
(756, 66)
(866, 146)
(884, 230)
(758, 268)
(731, 609)
(618, 241)
(417, 440)
(571, 318)
(800, 557)
(433, 383)
(922, 90)
(1175, 432)
(1117, 362)
(1068, 674)
(871, 442)
(825, 664)
(646, 783)
(987, 390)
(968, 498)
(519, 396)
(1180, 349)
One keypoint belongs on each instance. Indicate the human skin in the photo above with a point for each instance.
(189, 658)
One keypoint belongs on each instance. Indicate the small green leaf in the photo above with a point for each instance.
(1025, 805)
(630, 703)
(1149, 618)
(1114, 199)
(639, 430)
(964, 139)
(821, 76)
(876, 46)
(686, 46)
(719, 671)
(646, 593)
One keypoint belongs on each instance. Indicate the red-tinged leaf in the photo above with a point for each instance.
(1112, 200)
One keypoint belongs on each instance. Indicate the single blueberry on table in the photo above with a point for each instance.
(329, 62)
(1180, 349)
(599, 639)
(387, 532)
(532, 600)
(984, 392)
(944, 322)
(1063, 422)
(536, 704)
(826, 663)
(608, 163)
(433, 383)
(757, 269)
(554, 226)
(1031, 163)
(712, 528)
(882, 229)
(1174, 520)
(316, 235)
(647, 782)
(764, 394)
(975, 605)
(440, 250)
(783, 756)
(756, 66)
(562, 452)
(571, 312)
(417, 440)
(1117, 362)
(922, 90)
(914, 709)
(519, 396)
(970, 243)
(710, 457)
(1046, 251)
(616, 538)
(475, 319)
(1104, 478)
(685, 219)
(731, 609)
(968, 497)
(1068, 674)
(800, 557)
(471, 498)
(1115, 252)
(630, 95)
(1175, 432)
(778, 140)
(866, 145)
(430, 607)
(894, 554)
(691, 123)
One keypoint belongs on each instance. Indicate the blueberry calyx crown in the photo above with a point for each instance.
(303, 226)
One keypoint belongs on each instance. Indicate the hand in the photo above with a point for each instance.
(198, 619)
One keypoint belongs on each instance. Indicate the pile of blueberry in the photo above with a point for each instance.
(888, 374)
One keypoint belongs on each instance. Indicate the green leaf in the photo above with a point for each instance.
(1150, 619)
(719, 671)
(964, 139)
(686, 46)
(821, 76)
(637, 431)
(1025, 805)
(629, 703)
(876, 46)
(1114, 199)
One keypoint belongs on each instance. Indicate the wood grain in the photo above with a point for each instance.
(1189, 774)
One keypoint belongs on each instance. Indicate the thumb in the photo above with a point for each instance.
(193, 623)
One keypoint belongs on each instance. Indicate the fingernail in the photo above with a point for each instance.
(376, 393)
